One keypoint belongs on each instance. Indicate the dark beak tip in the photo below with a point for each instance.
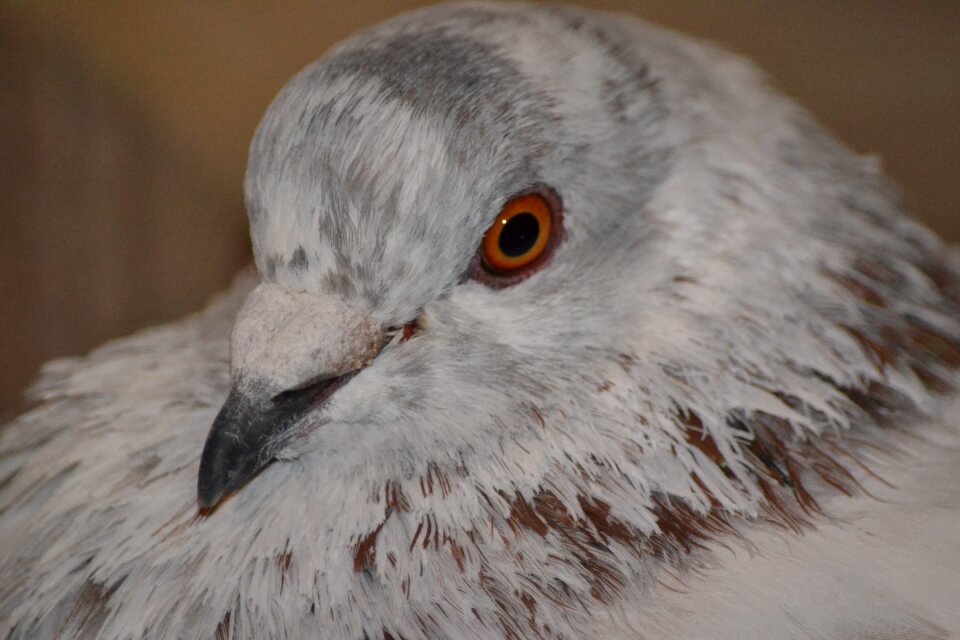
(219, 462)
(210, 490)
(216, 483)
(246, 434)
(224, 467)
(208, 496)
(231, 456)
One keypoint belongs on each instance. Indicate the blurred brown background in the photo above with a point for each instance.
(124, 130)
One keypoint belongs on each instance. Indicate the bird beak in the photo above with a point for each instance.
(238, 445)
(249, 431)
(280, 340)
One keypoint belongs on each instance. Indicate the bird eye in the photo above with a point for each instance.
(521, 238)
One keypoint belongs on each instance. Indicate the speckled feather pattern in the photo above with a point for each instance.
(722, 410)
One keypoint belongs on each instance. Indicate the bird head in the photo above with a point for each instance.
(532, 249)
(448, 231)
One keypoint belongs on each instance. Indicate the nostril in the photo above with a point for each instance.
(306, 387)
(312, 392)
(316, 390)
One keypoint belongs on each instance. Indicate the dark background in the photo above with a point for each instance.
(124, 130)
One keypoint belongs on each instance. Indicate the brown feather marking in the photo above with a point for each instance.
(395, 498)
(284, 562)
(786, 460)
(589, 550)
(858, 288)
(598, 513)
(457, 551)
(365, 551)
(523, 516)
(698, 437)
(224, 630)
(682, 528)
(89, 611)
(780, 459)
(416, 536)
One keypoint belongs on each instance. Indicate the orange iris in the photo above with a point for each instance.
(519, 235)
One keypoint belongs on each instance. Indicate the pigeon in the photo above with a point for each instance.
(562, 326)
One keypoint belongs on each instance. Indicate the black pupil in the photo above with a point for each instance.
(519, 234)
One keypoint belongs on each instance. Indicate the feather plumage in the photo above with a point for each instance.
(722, 410)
